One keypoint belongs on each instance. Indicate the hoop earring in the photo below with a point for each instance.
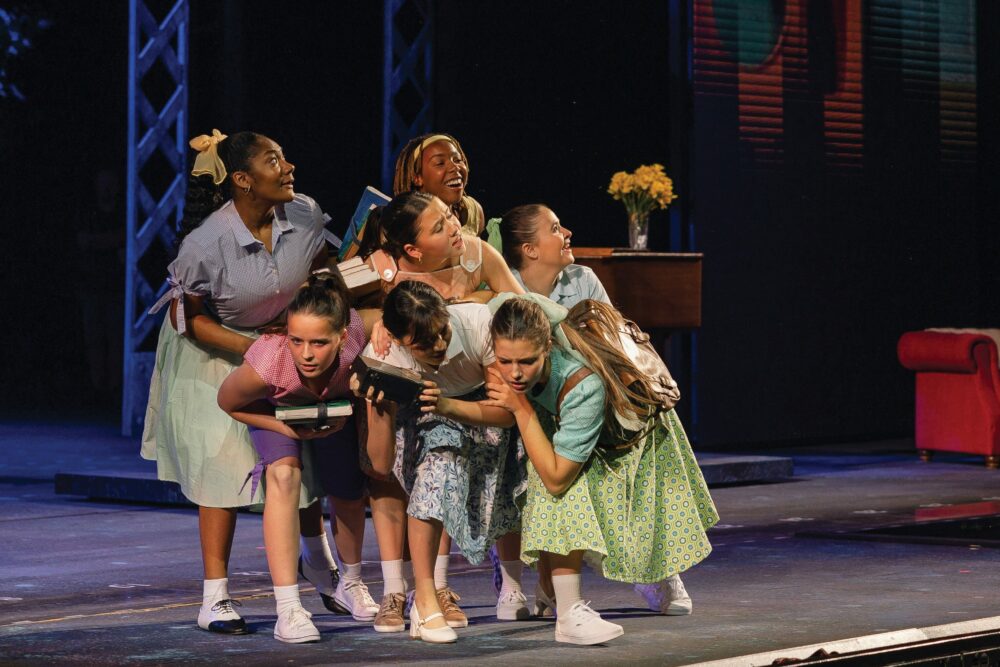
(246, 190)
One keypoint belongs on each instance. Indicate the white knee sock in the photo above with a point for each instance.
(441, 572)
(567, 590)
(286, 597)
(510, 570)
(392, 577)
(408, 581)
(351, 573)
(214, 590)
(316, 551)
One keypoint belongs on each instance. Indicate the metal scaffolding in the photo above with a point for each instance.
(407, 80)
(157, 68)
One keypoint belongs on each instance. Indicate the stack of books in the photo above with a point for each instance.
(313, 415)
(361, 280)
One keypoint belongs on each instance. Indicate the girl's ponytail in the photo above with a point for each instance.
(324, 295)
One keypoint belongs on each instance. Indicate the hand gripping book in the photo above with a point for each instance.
(313, 415)
(400, 385)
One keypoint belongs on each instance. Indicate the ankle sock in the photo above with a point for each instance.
(214, 590)
(351, 573)
(286, 597)
(510, 571)
(316, 551)
(567, 590)
(441, 572)
(392, 577)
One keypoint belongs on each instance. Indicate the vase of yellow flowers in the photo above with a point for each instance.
(643, 191)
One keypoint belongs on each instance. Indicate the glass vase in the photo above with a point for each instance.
(638, 230)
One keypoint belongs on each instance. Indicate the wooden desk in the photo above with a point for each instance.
(659, 290)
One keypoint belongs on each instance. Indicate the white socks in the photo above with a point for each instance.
(316, 552)
(214, 590)
(567, 590)
(286, 597)
(510, 570)
(392, 577)
(351, 574)
(441, 572)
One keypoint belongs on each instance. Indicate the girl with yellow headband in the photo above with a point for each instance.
(436, 164)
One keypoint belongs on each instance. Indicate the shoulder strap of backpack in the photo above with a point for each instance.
(571, 382)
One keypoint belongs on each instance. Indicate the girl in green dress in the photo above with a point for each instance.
(612, 480)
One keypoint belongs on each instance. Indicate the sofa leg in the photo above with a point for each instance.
(993, 462)
(925, 455)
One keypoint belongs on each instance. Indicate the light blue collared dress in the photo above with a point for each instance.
(574, 284)
(193, 442)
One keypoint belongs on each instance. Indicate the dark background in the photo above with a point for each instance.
(812, 271)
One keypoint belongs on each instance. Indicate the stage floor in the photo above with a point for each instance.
(90, 582)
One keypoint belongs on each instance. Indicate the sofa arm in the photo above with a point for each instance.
(942, 352)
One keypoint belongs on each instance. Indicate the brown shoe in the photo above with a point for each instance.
(447, 600)
(390, 614)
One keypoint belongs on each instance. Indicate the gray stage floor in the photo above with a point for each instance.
(101, 583)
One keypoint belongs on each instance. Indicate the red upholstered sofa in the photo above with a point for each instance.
(958, 390)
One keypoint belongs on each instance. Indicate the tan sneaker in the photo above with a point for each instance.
(447, 600)
(390, 614)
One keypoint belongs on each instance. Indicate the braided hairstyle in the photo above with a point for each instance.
(394, 226)
(518, 226)
(205, 197)
(408, 167)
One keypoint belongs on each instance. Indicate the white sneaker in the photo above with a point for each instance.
(295, 627)
(353, 598)
(222, 618)
(582, 625)
(512, 606)
(667, 597)
(324, 579)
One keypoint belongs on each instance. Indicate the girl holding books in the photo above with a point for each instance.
(309, 363)
(417, 237)
(247, 242)
(611, 480)
(452, 455)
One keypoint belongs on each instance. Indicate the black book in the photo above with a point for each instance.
(399, 384)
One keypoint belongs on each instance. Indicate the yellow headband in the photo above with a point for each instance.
(427, 142)
(207, 161)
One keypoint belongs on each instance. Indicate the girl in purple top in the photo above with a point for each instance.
(308, 364)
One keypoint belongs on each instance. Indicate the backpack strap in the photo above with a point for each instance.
(573, 380)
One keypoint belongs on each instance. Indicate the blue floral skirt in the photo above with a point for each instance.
(466, 477)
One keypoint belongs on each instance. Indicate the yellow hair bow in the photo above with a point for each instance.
(207, 161)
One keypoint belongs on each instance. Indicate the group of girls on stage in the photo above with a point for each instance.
(515, 444)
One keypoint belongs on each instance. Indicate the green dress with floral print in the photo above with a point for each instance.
(639, 514)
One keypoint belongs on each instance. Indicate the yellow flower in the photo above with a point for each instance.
(643, 190)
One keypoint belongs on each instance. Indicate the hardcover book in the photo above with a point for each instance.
(400, 385)
(370, 198)
(313, 415)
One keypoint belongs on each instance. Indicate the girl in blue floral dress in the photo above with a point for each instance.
(453, 455)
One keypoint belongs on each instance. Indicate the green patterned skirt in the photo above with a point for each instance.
(639, 514)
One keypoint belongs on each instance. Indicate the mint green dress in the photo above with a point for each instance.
(639, 514)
